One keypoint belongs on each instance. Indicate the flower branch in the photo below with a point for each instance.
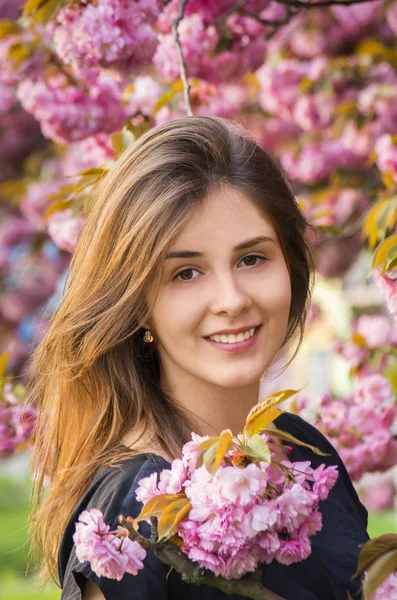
(169, 553)
(182, 63)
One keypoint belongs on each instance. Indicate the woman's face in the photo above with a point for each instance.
(223, 305)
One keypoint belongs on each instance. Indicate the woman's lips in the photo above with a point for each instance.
(237, 346)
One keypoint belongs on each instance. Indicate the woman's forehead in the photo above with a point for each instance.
(226, 214)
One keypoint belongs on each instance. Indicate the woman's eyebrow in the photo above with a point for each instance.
(242, 246)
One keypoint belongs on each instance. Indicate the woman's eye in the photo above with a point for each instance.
(252, 260)
(186, 275)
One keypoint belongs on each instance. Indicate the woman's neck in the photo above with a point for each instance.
(212, 408)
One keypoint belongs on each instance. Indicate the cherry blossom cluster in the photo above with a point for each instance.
(111, 554)
(248, 511)
(16, 422)
(362, 427)
(115, 33)
(334, 208)
(369, 349)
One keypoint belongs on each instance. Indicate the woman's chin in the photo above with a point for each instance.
(237, 379)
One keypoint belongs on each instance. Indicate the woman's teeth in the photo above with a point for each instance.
(231, 338)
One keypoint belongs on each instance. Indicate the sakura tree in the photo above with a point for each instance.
(314, 81)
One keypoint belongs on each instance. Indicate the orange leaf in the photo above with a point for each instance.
(172, 515)
(224, 443)
(155, 506)
(374, 549)
(263, 407)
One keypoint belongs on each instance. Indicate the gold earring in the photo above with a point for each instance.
(148, 337)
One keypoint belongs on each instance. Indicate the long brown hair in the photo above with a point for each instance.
(93, 378)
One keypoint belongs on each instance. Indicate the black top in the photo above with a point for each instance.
(325, 575)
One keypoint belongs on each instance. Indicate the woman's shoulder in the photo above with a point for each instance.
(113, 492)
(113, 487)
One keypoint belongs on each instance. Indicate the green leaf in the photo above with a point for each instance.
(382, 251)
(20, 51)
(374, 549)
(203, 447)
(60, 205)
(391, 256)
(120, 140)
(8, 28)
(4, 356)
(287, 437)
(42, 11)
(209, 459)
(391, 374)
(259, 448)
(168, 95)
(371, 229)
(391, 265)
(388, 180)
(92, 171)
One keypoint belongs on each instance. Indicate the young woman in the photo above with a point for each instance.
(191, 273)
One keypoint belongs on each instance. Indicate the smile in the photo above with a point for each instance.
(231, 338)
(235, 342)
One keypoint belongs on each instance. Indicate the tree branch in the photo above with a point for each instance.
(274, 25)
(182, 64)
(240, 4)
(169, 554)
(302, 3)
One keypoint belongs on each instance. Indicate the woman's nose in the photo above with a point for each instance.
(229, 296)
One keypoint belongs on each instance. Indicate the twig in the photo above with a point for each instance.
(267, 22)
(182, 64)
(304, 4)
(240, 4)
(170, 554)
(274, 25)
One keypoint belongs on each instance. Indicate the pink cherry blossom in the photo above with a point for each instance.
(324, 480)
(373, 390)
(190, 452)
(16, 422)
(114, 33)
(375, 329)
(109, 555)
(64, 228)
(293, 550)
(147, 488)
(68, 112)
(264, 516)
(388, 288)
(377, 491)
(386, 151)
(391, 16)
(295, 505)
(388, 589)
(197, 42)
(358, 20)
(241, 486)
(171, 480)
(36, 201)
(354, 354)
